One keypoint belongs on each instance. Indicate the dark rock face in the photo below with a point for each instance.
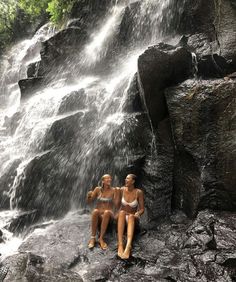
(178, 250)
(158, 67)
(212, 28)
(6, 182)
(29, 85)
(47, 185)
(203, 126)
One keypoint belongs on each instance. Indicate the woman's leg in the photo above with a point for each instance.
(130, 235)
(121, 228)
(107, 215)
(94, 223)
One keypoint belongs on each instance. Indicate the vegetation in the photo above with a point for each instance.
(15, 14)
(57, 9)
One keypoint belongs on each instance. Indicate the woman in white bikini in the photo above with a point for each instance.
(103, 212)
(132, 207)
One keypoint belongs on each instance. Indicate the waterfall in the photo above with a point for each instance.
(103, 122)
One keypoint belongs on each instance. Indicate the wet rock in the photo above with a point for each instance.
(60, 251)
(63, 130)
(32, 70)
(73, 101)
(62, 47)
(214, 21)
(29, 86)
(159, 67)
(11, 123)
(31, 267)
(6, 182)
(22, 221)
(213, 66)
(46, 184)
(202, 120)
(133, 103)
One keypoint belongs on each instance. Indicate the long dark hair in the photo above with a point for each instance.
(134, 177)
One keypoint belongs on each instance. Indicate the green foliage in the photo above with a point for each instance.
(13, 12)
(7, 17)
(59, 10)
(34, 7)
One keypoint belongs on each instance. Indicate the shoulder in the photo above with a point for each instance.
(97, 189)
(139, 192)
(115, 188)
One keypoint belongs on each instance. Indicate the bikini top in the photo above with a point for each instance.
(104, 199)
(133, 204)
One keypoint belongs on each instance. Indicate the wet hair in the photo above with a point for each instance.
(102, 178)
(134, 177)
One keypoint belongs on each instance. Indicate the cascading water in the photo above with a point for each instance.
(104, 123)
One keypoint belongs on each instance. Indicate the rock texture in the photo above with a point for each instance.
(178, 250)
(203, 126)
(210, 28)
(159, 67)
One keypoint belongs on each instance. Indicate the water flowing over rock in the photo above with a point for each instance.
(144, 87)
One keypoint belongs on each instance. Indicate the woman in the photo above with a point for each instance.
(103, 213)
(132, 207)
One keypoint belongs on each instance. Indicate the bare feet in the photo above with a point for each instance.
(91, 243)
(126, 253)
(120, 250)
(103, 244)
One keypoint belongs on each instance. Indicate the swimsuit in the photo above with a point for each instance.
(103, 199)
(133, 204)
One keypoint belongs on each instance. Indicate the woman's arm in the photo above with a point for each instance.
(140, 203)
(117, 197)
(92, 195)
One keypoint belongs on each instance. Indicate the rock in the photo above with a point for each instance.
(64, 48)
(31, 267)
(29, 86)
(159, 67)
(32, 70)
(11, 123)
(202, 120)
(22, 221)
(133, 103)
(64, 130)
(46, 184)
(60, 252)
(213, 66)
(214, 21)
(73, 101)
(157, 181)
(6, 182)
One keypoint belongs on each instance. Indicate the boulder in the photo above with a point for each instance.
(212, 25)
(22, 221)
(64, 130)
(46, 184)
(29, 86)
(64, 48)
(159, 67)
(6, 182)
(179, 249)
(203, 126)
(32, 70)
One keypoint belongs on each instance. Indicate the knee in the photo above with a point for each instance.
(122, 213)
(107, 213)
(131, 217)
(95, 212)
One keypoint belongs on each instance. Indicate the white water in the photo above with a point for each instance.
(11, 243)
(105, 96)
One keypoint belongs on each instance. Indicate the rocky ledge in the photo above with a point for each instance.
(177, 250)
